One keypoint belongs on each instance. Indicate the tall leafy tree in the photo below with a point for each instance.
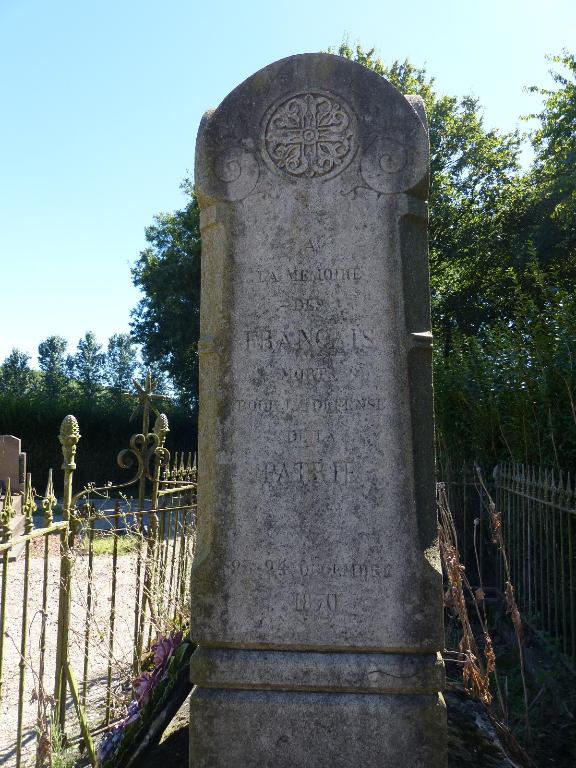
(121, 362)
(16, 377)
(542, 220)
(87, 366)
(52, 362)
(166, 320)
(472, 170)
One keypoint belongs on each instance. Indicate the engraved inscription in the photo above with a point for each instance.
(344, 570)
(310, 436)
(315, 274)
(323, 406)
(307, 375)
(311, 569)
(306, 602)
(308, 472)
(309, 339)
(311, 135)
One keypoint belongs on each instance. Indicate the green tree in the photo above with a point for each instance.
(472, 172)
(166, 320)
(52, 362)
(16, 377)
(87, 366)
(121, 362)
(542, 215)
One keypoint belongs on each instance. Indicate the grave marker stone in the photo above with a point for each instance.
(12, 462)
(316, 584)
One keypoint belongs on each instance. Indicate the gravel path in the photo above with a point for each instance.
(98, 651)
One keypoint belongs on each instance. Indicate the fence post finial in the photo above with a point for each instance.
(29, 505)
(69, 437)
(49, 501)
(7, 514)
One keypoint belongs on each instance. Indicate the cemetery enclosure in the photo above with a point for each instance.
(97, 579)
(538, 509)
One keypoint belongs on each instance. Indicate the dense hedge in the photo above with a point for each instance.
(105, 427)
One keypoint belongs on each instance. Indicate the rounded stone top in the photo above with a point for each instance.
(312, 118)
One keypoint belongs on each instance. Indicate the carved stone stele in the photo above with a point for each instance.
(316, 584)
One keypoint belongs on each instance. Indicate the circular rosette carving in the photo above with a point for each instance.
(310, 135)
(235, 172)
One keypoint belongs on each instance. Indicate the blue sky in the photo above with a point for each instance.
(101, 103)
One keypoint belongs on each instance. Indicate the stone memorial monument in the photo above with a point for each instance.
(316, 584)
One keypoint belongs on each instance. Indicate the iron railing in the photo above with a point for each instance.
(538, 509)
(87, 588)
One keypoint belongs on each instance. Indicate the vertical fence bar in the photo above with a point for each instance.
(548, 538)
(48, 504)
(88, 621)
(5, 534)
(572, 593)
(69, 437)
(111, 626)
(561, 515)
(540, 559)
(498, 501)
(508, 523)
(166, 525)
(533, 543)
(178, 590)
(554, 503)
(523, 571)
(571, 650)
(136, 657)
(29, 508)
(171, 587)
(515, 532)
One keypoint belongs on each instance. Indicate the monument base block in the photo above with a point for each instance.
(287, 729)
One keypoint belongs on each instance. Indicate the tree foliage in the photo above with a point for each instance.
(471, 171)
(87, 366)
(166, 321)
(121, 363)
(53, 364)
(15, 374)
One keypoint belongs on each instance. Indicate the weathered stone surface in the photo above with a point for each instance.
(316, 519)
(473, 741)
(295, 671)
(253, 729)
(12, 462)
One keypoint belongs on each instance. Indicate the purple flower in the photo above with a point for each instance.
(143, 688)
(164, 647)
(112, 739)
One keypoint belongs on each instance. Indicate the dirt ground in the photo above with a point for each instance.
(98, 641)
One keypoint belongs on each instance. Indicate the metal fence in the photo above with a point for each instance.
(87, 588)
(467, 504)
(538, 509)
